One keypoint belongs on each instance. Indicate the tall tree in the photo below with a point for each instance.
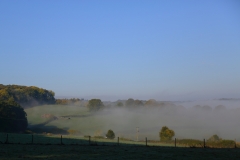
(12, 117)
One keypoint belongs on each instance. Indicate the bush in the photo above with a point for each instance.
(73, 132)
(221, 144)
(110, 134)
(166, 134)
(214, 138)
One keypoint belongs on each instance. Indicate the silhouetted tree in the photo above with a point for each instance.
(110, 134)
(12, 117)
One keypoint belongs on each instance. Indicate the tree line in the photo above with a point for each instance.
(26, 96)
(13, 100)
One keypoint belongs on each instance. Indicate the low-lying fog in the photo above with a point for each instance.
(187, 119)
(197, 123)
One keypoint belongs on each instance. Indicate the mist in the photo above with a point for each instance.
(189, 120)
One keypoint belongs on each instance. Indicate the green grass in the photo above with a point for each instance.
(80, 122)
(65, 152)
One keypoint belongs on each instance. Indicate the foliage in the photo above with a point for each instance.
(151, 103)
(221, 144)
(73, 132)
(129, 102)
(166, 134)
(95, 105)
(133, 103)
(12, 117)
(220, 107)
(190, 142)
(110, 134)
(98, 133)
(26, 96)
(119, 104)
(72, 101)
(214, 138)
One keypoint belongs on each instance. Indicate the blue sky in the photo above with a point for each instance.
(162, 49)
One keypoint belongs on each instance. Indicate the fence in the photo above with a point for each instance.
(88, 140)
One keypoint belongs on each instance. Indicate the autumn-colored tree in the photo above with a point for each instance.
(151, 103)
(166, 134)
(26, 96)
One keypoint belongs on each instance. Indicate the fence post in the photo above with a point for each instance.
(32, 138)
(146, 141)
(6, 142)
(175, 142)
(204, 145)
(235, 144)
(89, 140)
(118, 141)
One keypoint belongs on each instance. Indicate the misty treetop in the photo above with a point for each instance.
(95, 105)
(26, 96)
(72, 101)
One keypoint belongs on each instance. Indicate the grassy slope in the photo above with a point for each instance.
(123, 123)
(87, 125)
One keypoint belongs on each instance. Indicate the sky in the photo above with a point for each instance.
(141, 49)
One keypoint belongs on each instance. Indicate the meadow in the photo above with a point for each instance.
(187, 123)
(62, 152)
(62, 132)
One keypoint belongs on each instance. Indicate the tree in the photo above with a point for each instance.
(119, 104)
(138, 102)
(151, 102)
(133, 103)
(110, 134)
(214, 138)
(219, 107)
(26, 96)
(95, 105)
(12, 117)
(129, 102)
(166, 134)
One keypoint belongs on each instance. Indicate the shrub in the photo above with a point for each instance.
(166, 134)
(73, 132)
(214, 138)
(110, 134)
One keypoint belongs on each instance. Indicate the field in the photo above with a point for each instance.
(187, 123)
(11, 152)
(70, 132)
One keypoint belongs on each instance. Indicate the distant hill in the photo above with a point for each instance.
(230, 99)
